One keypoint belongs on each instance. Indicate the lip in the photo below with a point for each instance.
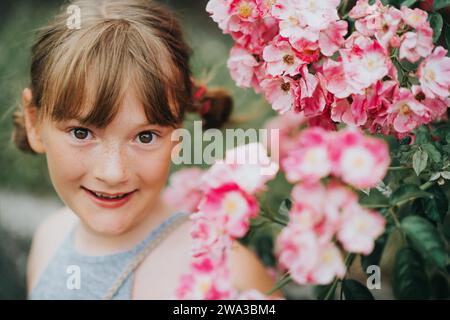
(108, 203)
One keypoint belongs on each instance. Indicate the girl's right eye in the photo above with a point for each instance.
(81, 133)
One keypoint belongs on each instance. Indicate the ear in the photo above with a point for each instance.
(31, 122)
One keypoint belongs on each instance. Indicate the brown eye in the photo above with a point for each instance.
(80, 133)
(147, 137)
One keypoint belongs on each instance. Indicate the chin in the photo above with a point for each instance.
(109, 226)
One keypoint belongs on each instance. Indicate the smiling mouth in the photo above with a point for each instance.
(108, 196)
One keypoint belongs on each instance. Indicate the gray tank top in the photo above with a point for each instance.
(72, 276)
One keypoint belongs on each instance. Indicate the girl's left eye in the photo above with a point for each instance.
(147, 137)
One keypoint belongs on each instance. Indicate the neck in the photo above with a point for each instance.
(90, 242)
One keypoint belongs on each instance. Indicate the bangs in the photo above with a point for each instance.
(88, 82)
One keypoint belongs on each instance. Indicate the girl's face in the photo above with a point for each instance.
(129, 159)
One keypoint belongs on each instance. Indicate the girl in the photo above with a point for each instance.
(102, 104)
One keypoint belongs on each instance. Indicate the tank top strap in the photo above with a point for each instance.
(178, 216)
(145, 247)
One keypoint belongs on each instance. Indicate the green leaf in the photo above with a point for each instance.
(439, 4)
(446, 227)
(410, 67)
(258, 222)
(353, 290)
(447, 36)
(422, 135)
(420, 159)
(413, 81)
(441, 130)
(426, 240)
(283, 211)
(446, 148)
(321, 291)
(409, 280)
(436, 24)
(433, 152)
(406, 140)
(263, 242)
(436, 208)
(375, 199)
(400, 72)
(264, 248)
(447, 138)
(408, 3)
(439, 287)
(407, 192)
(435, 176)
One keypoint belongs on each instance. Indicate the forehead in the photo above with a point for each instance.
(130, 112)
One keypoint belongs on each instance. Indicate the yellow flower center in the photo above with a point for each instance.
(358, 162)
(293, 20)
(415, 18)
(327, 257)
(270, 3)
(230, 206)
(405, 110)
(245, 10)
(204, 286)
(312, 5)
(289, 59)
(371, 63)
(311, 157)
(430, 75)
(362, 227)
(304, 219)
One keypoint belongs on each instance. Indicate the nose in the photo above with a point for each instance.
(110, 166)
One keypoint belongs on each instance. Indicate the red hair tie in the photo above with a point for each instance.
(199, 94)
(205, 107)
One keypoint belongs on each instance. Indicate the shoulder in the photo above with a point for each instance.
(46, 241)
(164, 266)
(172, 259)
(248, 272)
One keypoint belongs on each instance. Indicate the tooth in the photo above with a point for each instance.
(109, 197)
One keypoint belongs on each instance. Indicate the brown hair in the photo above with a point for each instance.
(121, 43)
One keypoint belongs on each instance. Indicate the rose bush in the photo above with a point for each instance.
(361, 89)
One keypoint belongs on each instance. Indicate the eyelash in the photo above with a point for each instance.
(154, 134)
(72, 132)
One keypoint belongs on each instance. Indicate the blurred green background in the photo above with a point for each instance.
(26, 193)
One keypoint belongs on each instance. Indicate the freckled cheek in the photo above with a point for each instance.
(67, 164)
